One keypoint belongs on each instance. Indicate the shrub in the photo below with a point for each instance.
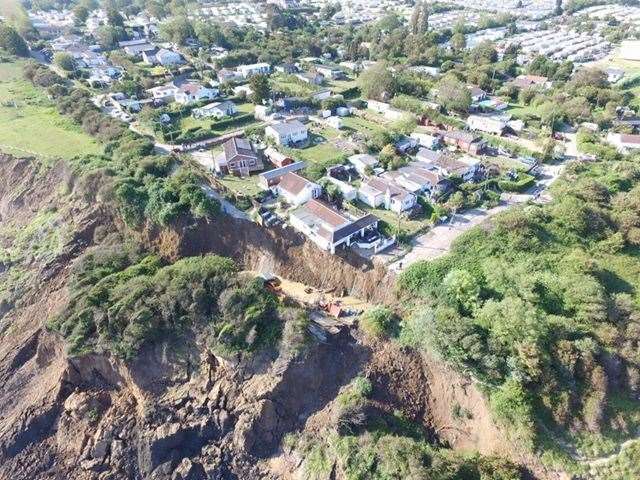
(379, 322)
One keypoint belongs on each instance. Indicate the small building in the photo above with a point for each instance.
(624, 142)
(531, 81)
(363, 162)
(348, 192)
(248, 71)
(614, 75)
(190, 92)
(228, 76)
(330, 71)
(277, 158)
(321, 95)
(238, 158)
(465, 141)
(328, 228)
(312, 78)
(477, 94)
(287, 133)
(162, 57)
(378, 192)
(487, 124)
(297, 190)
(261, 112)
(286, 68)
(216, 110)
(334, 122)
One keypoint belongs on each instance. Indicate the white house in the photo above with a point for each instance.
(426, 140)
(614, 74)
(330, 71)
(335, 122)
(348, 192)
(191, 92)
(362, 162)
(216, 110)
(165, 93)
(624, 142)
(377, 192)
(287, 133)
(328, 228)
(486, 124)
(297, 190)
(250, 70)
(162, 57)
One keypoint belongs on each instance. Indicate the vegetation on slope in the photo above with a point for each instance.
(122, 300)
(542, 308)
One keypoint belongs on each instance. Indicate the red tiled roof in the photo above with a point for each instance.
(293, 183)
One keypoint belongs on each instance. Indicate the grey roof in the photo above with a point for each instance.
(288, 127)
(278, 172)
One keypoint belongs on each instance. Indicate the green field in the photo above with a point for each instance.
(360, 124)
(292, 86)
(188, 121)
(321, 153)
(30, 123)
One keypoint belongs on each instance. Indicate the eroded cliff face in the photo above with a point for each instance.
(183, 413)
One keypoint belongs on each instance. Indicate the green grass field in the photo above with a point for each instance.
(322, 152)
(360, 124)
(30, 123)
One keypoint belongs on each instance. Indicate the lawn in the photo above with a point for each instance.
(523, 112)
(188, 121)
(410, 227)
(360, 124)
(30, 123)
(241, 186)
(292, 86)
(319, 153)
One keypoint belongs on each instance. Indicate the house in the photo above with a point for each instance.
(328, 228)
(614, 74)
(297, 190)
(426, 140)
(379, 192)
(228, 76)
(477, 94)
(494, 104)
(348, 192)
(417, 179)
(321, 95)
(312, 78)
(137, 47)
(335, 122)
(261, 112)
(330, 71)
(363, 162)
(428, 156)
(287, 133)
(217, 110)
(191, 92)
(485, 123)
(271, 178)
(238, 158)
(531, 81)
(465, 141)
(624, 142)
(277, 158)
(162, 57)
(286, 68)
(404, 144)
(164, 93)
(248, 71)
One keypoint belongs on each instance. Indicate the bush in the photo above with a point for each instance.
(379, 322)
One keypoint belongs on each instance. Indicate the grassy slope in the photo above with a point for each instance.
(33, 125)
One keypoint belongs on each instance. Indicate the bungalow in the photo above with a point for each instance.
(297, 190)
(277, 158)
(312, 78)
(377, 192)
(614, 75)
(228, 76)
(321, 94)
(426, 140)
(271, 178)
(429, 156)
(363, 162)
(286, 68)
(328, 228)
(162, 57)
(465, 141)
(417, 179)
(624, 142)
(287, 133)
(330, 71)
(191, 92)
(164, 93)
(254, 69)
(348, 192)
(531, 81)
(404, 144)
(488, 124)
(217, 110)
(477, 94)
(238, 158)
(137, 47)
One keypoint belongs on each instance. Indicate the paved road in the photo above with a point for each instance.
(437, 241)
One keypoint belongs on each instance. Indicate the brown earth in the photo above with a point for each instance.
(189, 414)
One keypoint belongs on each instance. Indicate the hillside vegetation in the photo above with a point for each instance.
(542, 307)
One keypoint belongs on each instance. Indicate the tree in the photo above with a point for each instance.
(12, 42)
(558, 7)
(109, 36)
(114, 18)
(458, 41)
(177, 30)
(80, 14)
(405, 124)
(453, 94)
(65, 61)
(260, 88)
(376, 82)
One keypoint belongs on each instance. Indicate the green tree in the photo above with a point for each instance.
(458, 41)
(260, 89)
(80, 14)
(177, 30)
(453, 94)
(12, 42)
(65, 61)
(376, 82)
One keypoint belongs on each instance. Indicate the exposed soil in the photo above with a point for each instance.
(189, 414)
